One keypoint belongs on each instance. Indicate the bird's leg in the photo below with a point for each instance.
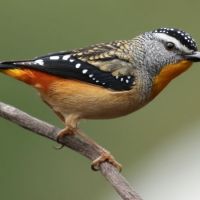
(71, 122)
(105, 156)
(71, 128)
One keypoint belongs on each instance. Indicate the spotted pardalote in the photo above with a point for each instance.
(107, 80)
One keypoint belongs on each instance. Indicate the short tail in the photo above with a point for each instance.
(11, 68)
(30, 72)
(7, 65)
(13, 64)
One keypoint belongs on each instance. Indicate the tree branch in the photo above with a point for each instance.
(79, 142)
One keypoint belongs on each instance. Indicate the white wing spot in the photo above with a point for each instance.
(66, 57)
(78, 65)
(121, 79)
(39, 62)
(97, 81)
(91, 75)
(71, 60)
(127, 81)
(84, 71)
(54, 57)
(129, 77)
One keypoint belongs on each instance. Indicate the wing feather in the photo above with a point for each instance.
(106, 65)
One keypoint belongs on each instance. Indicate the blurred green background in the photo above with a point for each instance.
(30, 168)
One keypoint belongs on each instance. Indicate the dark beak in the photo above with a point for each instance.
(194, 57)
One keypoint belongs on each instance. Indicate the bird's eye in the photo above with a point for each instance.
(170, 46)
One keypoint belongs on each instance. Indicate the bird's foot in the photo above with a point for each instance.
(67, 131)
(105, 157)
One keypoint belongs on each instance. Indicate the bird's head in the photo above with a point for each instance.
(166, 53)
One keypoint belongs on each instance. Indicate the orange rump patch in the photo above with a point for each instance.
(37, 79)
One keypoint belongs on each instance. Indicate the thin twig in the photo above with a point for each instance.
(79, 142)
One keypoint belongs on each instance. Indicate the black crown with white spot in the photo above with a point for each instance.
(184, 38)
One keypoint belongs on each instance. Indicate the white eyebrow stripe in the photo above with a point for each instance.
(168, 38)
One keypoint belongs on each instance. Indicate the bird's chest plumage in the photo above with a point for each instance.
(89, 101)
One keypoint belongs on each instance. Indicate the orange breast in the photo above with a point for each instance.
(168, 73)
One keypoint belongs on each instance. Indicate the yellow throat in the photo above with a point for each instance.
(168, 73)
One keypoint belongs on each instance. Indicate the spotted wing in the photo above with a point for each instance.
(101, 69)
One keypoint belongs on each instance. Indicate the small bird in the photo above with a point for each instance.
(106, 80)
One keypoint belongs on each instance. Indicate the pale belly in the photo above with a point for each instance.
(89, 101)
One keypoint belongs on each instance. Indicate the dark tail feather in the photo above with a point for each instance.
(7, 65)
